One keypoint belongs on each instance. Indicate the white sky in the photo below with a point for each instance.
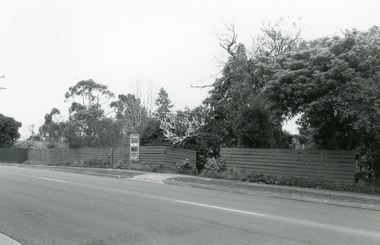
(46, 46)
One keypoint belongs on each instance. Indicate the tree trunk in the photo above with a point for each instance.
(350, 139)
(334, 141)
(333, 128)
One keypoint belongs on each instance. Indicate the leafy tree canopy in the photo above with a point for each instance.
(240, 111)
(89, 94)
(8, 131)
(129, 109)
(86, 112)
(52, 129)
(334, 83)
(163, 104)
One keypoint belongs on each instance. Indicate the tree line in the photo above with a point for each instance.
(332, 84)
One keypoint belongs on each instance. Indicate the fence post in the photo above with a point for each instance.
(112, 150)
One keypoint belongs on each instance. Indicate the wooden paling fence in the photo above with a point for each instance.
(166, 156)
(69, 155)
(329, 165)
(13, 155)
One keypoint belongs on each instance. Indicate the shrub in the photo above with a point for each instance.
(184, 167)
(317, 183)
(145, 167)
(215, 164)
(214, 168)
(211, 174)
(97, 163)
(248, 175)
(154, 167)
(261, 178)
(367, 165)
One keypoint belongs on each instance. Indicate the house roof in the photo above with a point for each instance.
(30, 144)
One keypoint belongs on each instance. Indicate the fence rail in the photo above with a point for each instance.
(330, 165)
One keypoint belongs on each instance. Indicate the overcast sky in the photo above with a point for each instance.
(47, 46)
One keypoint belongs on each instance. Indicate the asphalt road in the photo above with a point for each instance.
(48, 207)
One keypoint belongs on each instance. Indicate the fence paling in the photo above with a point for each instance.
(289, 161)
(287, 154)
(289, 165)
(288, 158)
(164, 156)
(13, 155)
(303, 157)
(300, 154)
(271, 150)
(247, 151)
(314, 174)
(296, 171)
(282, 162)
(332, 165)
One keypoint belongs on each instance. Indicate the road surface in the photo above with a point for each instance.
(47, 207)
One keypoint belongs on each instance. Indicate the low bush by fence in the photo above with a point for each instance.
(323, 164)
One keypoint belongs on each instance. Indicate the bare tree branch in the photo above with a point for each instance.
(207, 85)
(228, 40)
(276, 39)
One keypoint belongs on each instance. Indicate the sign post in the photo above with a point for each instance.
(134, 148)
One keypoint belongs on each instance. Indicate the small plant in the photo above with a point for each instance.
(97, 163)
(184, 167)
(215, 164)
(214, 168)
(263, 179)
(154, 168)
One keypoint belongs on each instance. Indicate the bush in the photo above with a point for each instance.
(261, 178)
(211, 174)
(184, 167)
(154, 168)
(96, 163)
(317, 183)
(145, 167)
(213, 168)
(216, 164)
(367, 164)
(248, 175)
